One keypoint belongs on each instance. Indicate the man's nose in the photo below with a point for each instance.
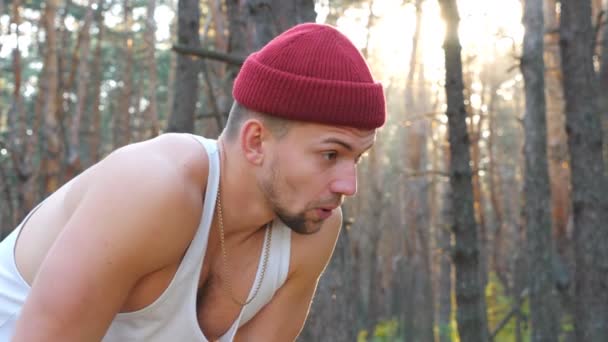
(346, 183)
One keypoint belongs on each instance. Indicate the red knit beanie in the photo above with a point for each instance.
(312, 72)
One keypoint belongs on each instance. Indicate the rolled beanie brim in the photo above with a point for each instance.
(312, 72)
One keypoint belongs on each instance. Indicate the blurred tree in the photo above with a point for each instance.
(94, 132)
(185, 93)
(471, 314)
(537, 195)
(603, 75)
(122, 117)
(150, 117)
(589, 180)
(52, 147)
(84, 42)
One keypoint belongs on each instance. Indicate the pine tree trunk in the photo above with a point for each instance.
(122, 119)
(185, 94)
(537, 195)
(589, 183)
(557, 142)
(74, 160)
(96, 80)
(150, 118)
(444, 287)
(471, 313)
(603, 76)
(51, 162)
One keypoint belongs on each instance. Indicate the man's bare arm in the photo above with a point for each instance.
(283, 318)
(129, 223)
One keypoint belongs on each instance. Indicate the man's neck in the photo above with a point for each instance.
(244, 206)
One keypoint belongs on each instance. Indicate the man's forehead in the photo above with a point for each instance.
(355, 137)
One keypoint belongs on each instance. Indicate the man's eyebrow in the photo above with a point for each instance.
(339, 142)
(344, 144)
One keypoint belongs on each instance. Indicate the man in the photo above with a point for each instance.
(187, 239)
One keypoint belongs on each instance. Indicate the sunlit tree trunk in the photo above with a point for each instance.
(67, 61)
(185, 95)
(559, 169)
(51, 158)
(96, 80)
(74, 159)
(589, 183)
(151, 112)
(496, 262)
(471, 314)
(537, 195)
(122, 118)
(16, 122)
(474, 130)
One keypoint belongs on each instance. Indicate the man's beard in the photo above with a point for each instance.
(296, 222)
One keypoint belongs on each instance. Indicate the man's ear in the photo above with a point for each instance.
(253, 136)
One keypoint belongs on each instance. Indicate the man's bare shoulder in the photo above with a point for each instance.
(154, 188)
(132, 214)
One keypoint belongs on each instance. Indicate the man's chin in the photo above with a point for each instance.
(309, 228)
(307, 232)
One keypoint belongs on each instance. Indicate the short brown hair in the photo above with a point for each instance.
(279, 127)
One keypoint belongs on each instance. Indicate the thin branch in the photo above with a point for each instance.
(515, 309)
(209, 54)
(424, 173)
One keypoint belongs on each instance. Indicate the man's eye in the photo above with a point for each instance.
(330, 155)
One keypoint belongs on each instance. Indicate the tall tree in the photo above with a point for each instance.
(604, 78)
(589, 182)
(52, 147)
(74, 160)
(537, 195)
(471, 312)
(185, 97)
(122, 119)
(151, 112)
(94, 137)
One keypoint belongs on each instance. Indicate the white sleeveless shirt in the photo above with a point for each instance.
(173, 315)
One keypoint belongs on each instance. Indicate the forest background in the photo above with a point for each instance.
(481, 209)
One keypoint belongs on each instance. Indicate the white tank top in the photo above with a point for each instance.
(173, 315)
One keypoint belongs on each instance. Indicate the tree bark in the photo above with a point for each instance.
(122, 119)
(95, 145)
(17, 126)
(150, 118)
(185, 94)
(589, 184)
(74, 160)
(444, 287)
(51, 164)
(603, 76)
(537, 195)
(471, 313)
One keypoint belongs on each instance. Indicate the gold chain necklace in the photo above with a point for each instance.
(225, 272)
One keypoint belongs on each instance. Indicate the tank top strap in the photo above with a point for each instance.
(276, 270)
(193, 259)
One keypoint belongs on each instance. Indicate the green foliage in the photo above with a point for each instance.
(499, 304)
(385, 331)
